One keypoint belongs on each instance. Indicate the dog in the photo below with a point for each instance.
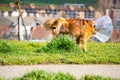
(81, 29)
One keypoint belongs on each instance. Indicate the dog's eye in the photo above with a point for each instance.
(53, 27)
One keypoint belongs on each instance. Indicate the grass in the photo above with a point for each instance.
(43, 75)
(25, 53)
(1, 78)
(95, 77)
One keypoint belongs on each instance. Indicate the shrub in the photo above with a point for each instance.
(36, 75)
(60, 44)
(43, 75)
(5, 47)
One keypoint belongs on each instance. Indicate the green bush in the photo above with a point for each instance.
(60, 44)
(5, 46)
(43, 75)
(36, 75)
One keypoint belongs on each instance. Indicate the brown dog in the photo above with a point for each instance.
(47, 25)
(81, 29)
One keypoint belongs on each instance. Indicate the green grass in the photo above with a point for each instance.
(1, 78)
(25, 53)
(43, 75)
(96, 77)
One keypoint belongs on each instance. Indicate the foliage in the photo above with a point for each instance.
(62, 76)
(95, 77)
(5, 47)
(43, 75)
(60, 44)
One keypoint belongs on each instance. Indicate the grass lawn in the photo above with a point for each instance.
(25, 53)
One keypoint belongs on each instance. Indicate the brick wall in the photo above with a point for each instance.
(40, 33)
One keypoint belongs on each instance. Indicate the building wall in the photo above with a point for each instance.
(77, 14)
(107, 4)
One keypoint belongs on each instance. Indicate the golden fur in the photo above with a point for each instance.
(47, 25)
(81, 29)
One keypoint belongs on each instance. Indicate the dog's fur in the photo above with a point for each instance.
(81, 29)
(47, 25)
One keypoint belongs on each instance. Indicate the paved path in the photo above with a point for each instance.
(112, 71)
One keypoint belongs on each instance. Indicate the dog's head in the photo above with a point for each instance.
(59, 24)
(47, 24)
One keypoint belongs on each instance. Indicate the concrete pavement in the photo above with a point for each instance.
(78, 71)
